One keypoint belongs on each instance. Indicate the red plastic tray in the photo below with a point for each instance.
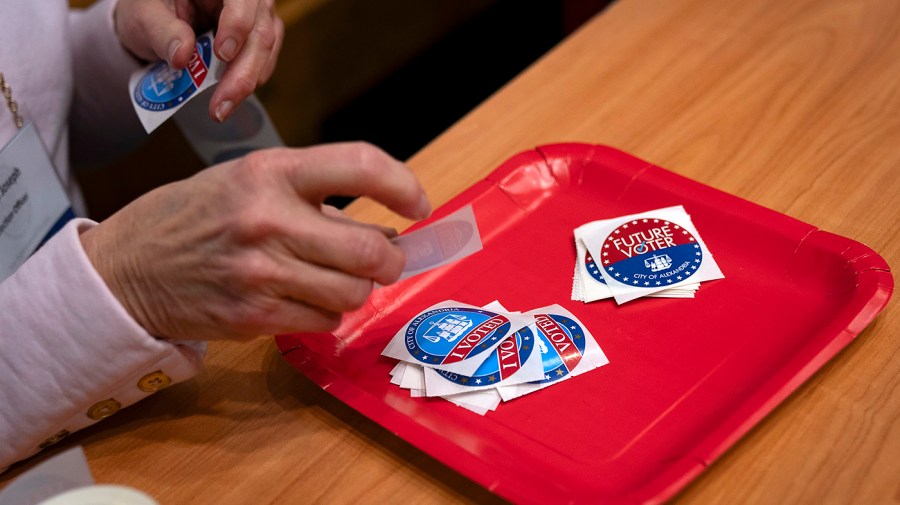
(686, 378)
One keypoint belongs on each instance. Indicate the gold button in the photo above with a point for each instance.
(54, 439)
(153, 382)
(103, 409)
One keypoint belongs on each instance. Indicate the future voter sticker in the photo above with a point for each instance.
(452, 334)
(506, 360)
(163, 87)
(649, 253)
(591, 266)
(561, 342)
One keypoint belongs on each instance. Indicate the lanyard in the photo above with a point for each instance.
(13, 106)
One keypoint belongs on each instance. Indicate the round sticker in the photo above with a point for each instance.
(649, 253)
(561, 341)
(506, 360)
(164, 87)
(452, 334)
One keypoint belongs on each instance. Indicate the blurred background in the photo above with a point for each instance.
(395, 73)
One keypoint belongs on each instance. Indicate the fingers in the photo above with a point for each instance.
(337, 213)
(250, 36)
(341, 245)
(153, 31)
(350, 169)
(235, 23)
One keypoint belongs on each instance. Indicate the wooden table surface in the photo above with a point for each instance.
(792, 104)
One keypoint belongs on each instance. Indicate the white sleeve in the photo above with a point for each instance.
(69, 352)
(102, 122)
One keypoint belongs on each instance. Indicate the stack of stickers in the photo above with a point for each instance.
(656, 253)
(477, 356)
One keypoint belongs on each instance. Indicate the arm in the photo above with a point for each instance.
(67, 346)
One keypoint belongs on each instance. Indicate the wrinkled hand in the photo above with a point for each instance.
(246, 248)
(249, 36)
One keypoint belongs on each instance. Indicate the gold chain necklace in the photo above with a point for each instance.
(13, 106)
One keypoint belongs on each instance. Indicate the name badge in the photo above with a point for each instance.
(33, 204)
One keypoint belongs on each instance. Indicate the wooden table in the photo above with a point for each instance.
(794, 105)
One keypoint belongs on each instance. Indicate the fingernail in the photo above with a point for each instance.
(229, 47)
(223, 109)
(424, 207)
(173, 48)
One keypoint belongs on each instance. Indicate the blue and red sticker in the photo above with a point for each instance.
(507, 359)
(561, 340)
(449, 335)
(163, 87)
(650, 253)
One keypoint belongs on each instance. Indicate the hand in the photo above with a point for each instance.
(245, 248)
(249, 37)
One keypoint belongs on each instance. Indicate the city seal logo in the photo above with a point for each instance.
(452, 334)
(163, 87)
(506, 360)
(649, 253)
(561, 342)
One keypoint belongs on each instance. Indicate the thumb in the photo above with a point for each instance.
(153, 31)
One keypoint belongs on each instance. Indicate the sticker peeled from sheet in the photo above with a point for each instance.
(158, 91)
(444, 241)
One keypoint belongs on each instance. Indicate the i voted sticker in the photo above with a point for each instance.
(508, 364)
(158, 90)
(163, 87)
(561, 342)
(651, 253)
(452, 336)
(567, 349)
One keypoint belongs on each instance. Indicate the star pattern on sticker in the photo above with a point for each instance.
(491, 378)
(635, 282)
(577, 336)
(464, 380)
(477, 381)
(559, 372)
